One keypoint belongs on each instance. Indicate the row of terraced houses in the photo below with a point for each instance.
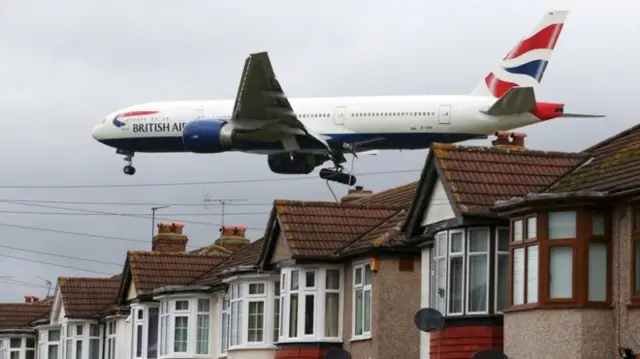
(535, 253)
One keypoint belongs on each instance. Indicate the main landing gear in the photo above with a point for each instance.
(338, 173)
(128, 157)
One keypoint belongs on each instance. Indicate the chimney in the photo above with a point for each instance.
(357, 193)
(170, 238)
(31, 299)
(511, 139)
(232, 237)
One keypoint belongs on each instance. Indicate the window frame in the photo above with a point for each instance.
(580, 258)
(110, 336)
(364, 287)
(320, 294)
(496, 269)
(167, 315)
(467, 268)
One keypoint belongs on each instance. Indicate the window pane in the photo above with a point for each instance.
(15, 355)
(478, 283)
(331, 315)
(309, 314)
(597, 225)
(517, 230)
(560, 272)
(442, 244)
(54, 335)
(333, 279)
(456, 283)
(518, 276)
(441, 303)
(276, 319)
(531, 227)
(503, 239)
(30, 354)
(310, 279)
(562, 225)
(181, 325)
(31, 342)
(152, 334)
(94, 330)
(16, 343)
(293, 315)
(225, 332)
(256, 322)
(52, 351)
(202, 334)
(182, 305)
(357, 279)
(78, 348)
(456, 242)
(276, 288)
(203, 305)
(367, 274)
(138, 341)
(94, 348)
(256, 288)
(359, 312)
(366, 327)
(69, 349)
(598, 272)
(637, 283)
(478, 240)
(295, 277)
(502, 282)
(532, 274)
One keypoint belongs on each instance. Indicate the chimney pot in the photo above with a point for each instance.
(359, 188)
(170, 238)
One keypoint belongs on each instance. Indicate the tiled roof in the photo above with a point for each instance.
(477, 177)
(248, 255)
(151, 270)
(614, 166)
(387, 233)
(323, 228)
(400, 196)
(20, 315)
(84, 297)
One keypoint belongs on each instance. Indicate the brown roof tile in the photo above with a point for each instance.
(84, 297)
(248, 255)
(400, 196)
(20, 315)
(477, 177)
(151, 270)
(614, 166)
(387, 233)
(323, 228)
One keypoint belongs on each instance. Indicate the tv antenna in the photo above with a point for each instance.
(222, 202)
(48, 283)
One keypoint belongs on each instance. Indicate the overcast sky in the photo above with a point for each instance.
(65, 64)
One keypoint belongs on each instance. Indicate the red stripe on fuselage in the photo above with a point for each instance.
(543, 39)
(497, 86)
(136, 113)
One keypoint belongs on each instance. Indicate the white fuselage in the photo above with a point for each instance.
(376, 122)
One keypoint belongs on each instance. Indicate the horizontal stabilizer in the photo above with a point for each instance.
(580, 115)
(515, 100)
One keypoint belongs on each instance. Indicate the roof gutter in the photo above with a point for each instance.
(537, 198)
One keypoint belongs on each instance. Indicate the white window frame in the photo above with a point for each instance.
(470, 254)
(357, 286)
(496, 273)
(451, 255)
(319, 293)
(144, 323)
(255, 298)
(166, 325)
(6, 350)
(110, 337)
(180, 313)
(225, 324)
(91, 338)
(205, 313)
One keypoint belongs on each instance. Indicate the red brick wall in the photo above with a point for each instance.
(300, 353)
(462, 342)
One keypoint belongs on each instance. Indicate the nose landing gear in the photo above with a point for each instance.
(128, 157)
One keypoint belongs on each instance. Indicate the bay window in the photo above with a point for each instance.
(463, 274)
(110, 347)
(303, 290)
(49, 343)
(545, 269)
(362, 280)
(184, 326)
(18, 347)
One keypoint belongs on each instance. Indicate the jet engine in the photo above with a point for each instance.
(208, 136)
(294, 163)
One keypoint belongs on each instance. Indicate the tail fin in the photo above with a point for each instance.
(525, 64)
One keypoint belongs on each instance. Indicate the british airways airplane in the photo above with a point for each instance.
(297, 135)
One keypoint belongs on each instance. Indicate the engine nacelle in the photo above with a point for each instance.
(285, 163)
(208, 136)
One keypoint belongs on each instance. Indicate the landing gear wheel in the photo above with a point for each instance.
(336, 175)
(129, 170)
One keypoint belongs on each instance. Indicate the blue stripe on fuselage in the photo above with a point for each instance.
(383, 141)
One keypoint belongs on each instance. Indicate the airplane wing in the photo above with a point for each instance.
(516, 100)
(261, 106)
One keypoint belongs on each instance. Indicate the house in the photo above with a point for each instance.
(17, 337)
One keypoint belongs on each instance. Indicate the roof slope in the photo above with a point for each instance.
(323, 228)
(400, 196)
(151, 270)
(614, 166)
(477, 177)
(248, 256)
(84, 297)
(20, 315)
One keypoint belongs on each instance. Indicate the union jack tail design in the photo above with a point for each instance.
(525, 64)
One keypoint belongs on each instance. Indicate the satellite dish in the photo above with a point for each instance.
(337, 353)
(428, 320)
(489, 354)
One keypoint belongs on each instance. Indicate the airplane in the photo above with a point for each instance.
(300, 134)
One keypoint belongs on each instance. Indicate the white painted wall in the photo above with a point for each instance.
(425, 286)
(438, 208)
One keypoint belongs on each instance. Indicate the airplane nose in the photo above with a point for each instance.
(95, 133)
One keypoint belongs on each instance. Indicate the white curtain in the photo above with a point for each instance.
(560, 272)
(598, 272)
